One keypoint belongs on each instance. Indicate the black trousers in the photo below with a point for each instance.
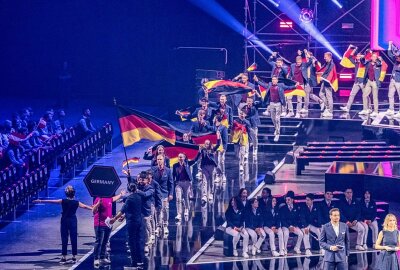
(136, 241)
(69, 228)
(102, 236)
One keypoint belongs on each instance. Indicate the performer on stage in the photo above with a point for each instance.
(243, 78)
(275, 99)
(251, 108)
(325, 92)
(310, 82)
(373, 73)
(224, 110)
(223, 147)
(203, 107)
(201, 125)
(394, 86)
(240, 138)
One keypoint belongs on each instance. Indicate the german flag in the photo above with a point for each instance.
(136, 125)
(298, 91)
(239, 133)
(263, 91)
(200, 138)
(130, 161)
(332, 77)
(360, 71)
(384, 68)
(252, 67)
(225, 87)
(349, 53)
(185, 114)
(172, 151)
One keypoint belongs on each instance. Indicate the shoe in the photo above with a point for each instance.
(374, 114)
(365, 246)
(360, 248)
(211, 197)
(303, 110)
(297, 250)
(322, 105)
(308, 252)
(276, 138)
(217, 179)
(364, 112)
(389, 112)
(105, 261)
(96, 263)
(241, 168)
(258, 251)
(235, 253)
(165, 229)
(281, 253)
(266, 113)
(158, 230)
(297, 115)
(178, 217)
(140, 266)
(73, 260)
(283, 114)
(186, 212)
(255, 153)
(253, 251)
(397, 115)
(327, 113)
(245, 255)
(290, 114)
(275, 253)
(146, 249)
(344, 108)
(223, 179)
(63, 260)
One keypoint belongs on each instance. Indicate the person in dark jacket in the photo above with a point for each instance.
(224, 110)
(201, 125)
(241, 199)
(251, 108)
(265, 200)
(183, 179)
(203, 107)
(235, 227)
(368, 217)
(350, 213)
(160, 150)
(326, 205)
(241, 139)
(372, 82)
(132, 210)
(163, 176)
(156, 204)
(223, 147)
(272, 226)
(69, 222)
(325, 92)
(244, 79)
(253, 221)
(394, 86)
(289, 215)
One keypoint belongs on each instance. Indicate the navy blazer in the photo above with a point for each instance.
(223, 131)
(328, 238)
(281, 88)
(234, 219)
(324, 210)
(147, 194)
(283, 73)
(165, 181)
(208, 115)
(271, 219)
(204, 154)
(304, 70)
(350, 212)
(393, 53)
(157, 194)
(197, 128)
(289, 218)
(357, 66)
(312, 217)
(252, 115)
(251, 220)
(377, 70)
(228, 111)
(370, 212)
(187, 165)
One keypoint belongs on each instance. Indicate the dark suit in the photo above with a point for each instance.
(335, 259)
(198, 127)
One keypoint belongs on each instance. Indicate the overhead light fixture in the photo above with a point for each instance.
(336, 2)
(285, 24)
(306, 15)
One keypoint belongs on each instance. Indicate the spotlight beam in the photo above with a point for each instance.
(336, 2)
(218, 12)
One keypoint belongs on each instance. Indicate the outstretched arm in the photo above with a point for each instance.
(84, 206)
(48, 201)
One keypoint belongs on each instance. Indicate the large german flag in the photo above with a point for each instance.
(384, 68)
(239, 133)
(332, 77)
(172, 151)
(298, 91)
(348, 54)
(200, 138)
(225, 87)
(136, 125)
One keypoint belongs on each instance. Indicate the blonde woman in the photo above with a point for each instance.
(389, 242)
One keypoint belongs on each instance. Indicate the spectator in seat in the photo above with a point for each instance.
(59, 124)
(289, 215)
(265, 200)
(44, 126)
(326, 205)
(235, 227)
(85, 123)
(272, 226)
(350, 211)
(241, 199)
(368, 217)
(311, 219)
(254, 222)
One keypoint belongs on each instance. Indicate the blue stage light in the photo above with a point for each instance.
(336, 2)
(218, 12)
(275, 3)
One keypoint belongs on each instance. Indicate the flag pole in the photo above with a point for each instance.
(123, 145)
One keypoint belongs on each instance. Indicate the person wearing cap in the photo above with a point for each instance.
(289, 215)
(350, 211)
(241, 138)
(311, 219)
(253, 222)
(394, 86)
(275, 99)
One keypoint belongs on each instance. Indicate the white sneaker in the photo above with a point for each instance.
(266, 113)
(327, 113)
(275, 253)
(186, 212)
(245, 255)
(258, 251)
(365, 246)
(281, 253)
(283, 114)
(276, 138)
(303, 110)
(146, 249)
(96, 263)
(217, 179)
(178, 217)
(241, 168)
(235, 253)
(308, 253)
(290, 114)
(374, 114)
(397, 115)
(364, 112)
(297, 115)
(253, 251)
(210, 197)
(360, 248)
(322, 105)
(297, 250)
(389, 112)
(344, 108)
(165, 229)
(255, 153)
(223, 178)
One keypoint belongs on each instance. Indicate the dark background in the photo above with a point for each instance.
(119, 48)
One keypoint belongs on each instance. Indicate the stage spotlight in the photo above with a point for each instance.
(336, 2)
(275, 3)
(306, 15)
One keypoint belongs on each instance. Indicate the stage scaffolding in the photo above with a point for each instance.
(262, 18)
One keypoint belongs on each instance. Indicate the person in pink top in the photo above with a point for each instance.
(102, 209)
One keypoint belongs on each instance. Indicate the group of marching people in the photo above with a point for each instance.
(256, 218)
